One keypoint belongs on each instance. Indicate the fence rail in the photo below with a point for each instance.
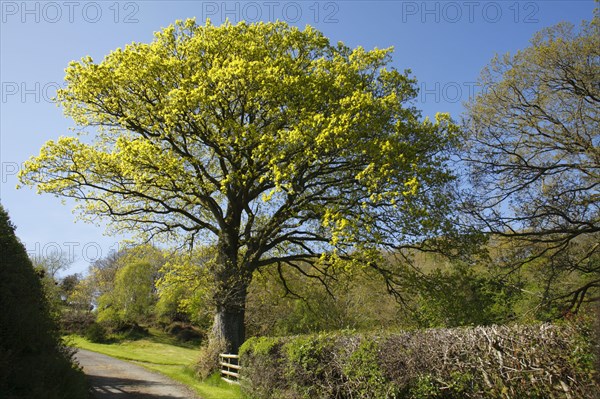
(230, 366)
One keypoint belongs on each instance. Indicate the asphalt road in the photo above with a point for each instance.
(111, 378)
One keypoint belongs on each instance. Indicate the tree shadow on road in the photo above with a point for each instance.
(125, 388)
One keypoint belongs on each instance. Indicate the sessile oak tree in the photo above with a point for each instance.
(264, 141)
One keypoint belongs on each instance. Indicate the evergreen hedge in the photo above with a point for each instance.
(34, 363)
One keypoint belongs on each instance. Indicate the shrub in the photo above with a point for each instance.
(75, 322)
(532, 361)
(130, 331)
(364, 373)
(96, 333)
(208, 361)
(261, 354)
(189, 335)
(184, 332)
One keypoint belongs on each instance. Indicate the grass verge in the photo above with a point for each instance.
(156, 353)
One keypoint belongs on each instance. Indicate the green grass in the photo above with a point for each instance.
(157, 352)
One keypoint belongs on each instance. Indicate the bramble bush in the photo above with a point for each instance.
(522, 361)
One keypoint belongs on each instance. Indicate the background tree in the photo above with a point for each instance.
(53, 263)
(69, 283)
(534, 154)
(123, 286)
(76, 314)
(132, 299)
(261, 140)
(352, 299)
(48, 266)
(185, 286)
(102, 274)
(34, 363)
(437, 292)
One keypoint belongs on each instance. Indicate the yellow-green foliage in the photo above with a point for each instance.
(435, 293)
(264, 140)
(269, 312)
(185, 285)
(132, 298)
(250, 115)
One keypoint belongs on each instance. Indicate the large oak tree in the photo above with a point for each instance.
(262, 140)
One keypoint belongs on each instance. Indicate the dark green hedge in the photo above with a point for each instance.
(34, 363)
(534, 361)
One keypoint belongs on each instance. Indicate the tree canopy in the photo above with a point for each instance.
(263, 140)
(534, 152)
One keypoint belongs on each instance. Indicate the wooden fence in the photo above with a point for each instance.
(230, 366)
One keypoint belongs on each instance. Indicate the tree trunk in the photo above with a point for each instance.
(229, 296)
(229, 326)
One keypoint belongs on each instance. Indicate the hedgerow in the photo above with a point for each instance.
(523, 361)
(34, 362)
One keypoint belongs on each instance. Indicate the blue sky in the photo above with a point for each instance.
(444, 43)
